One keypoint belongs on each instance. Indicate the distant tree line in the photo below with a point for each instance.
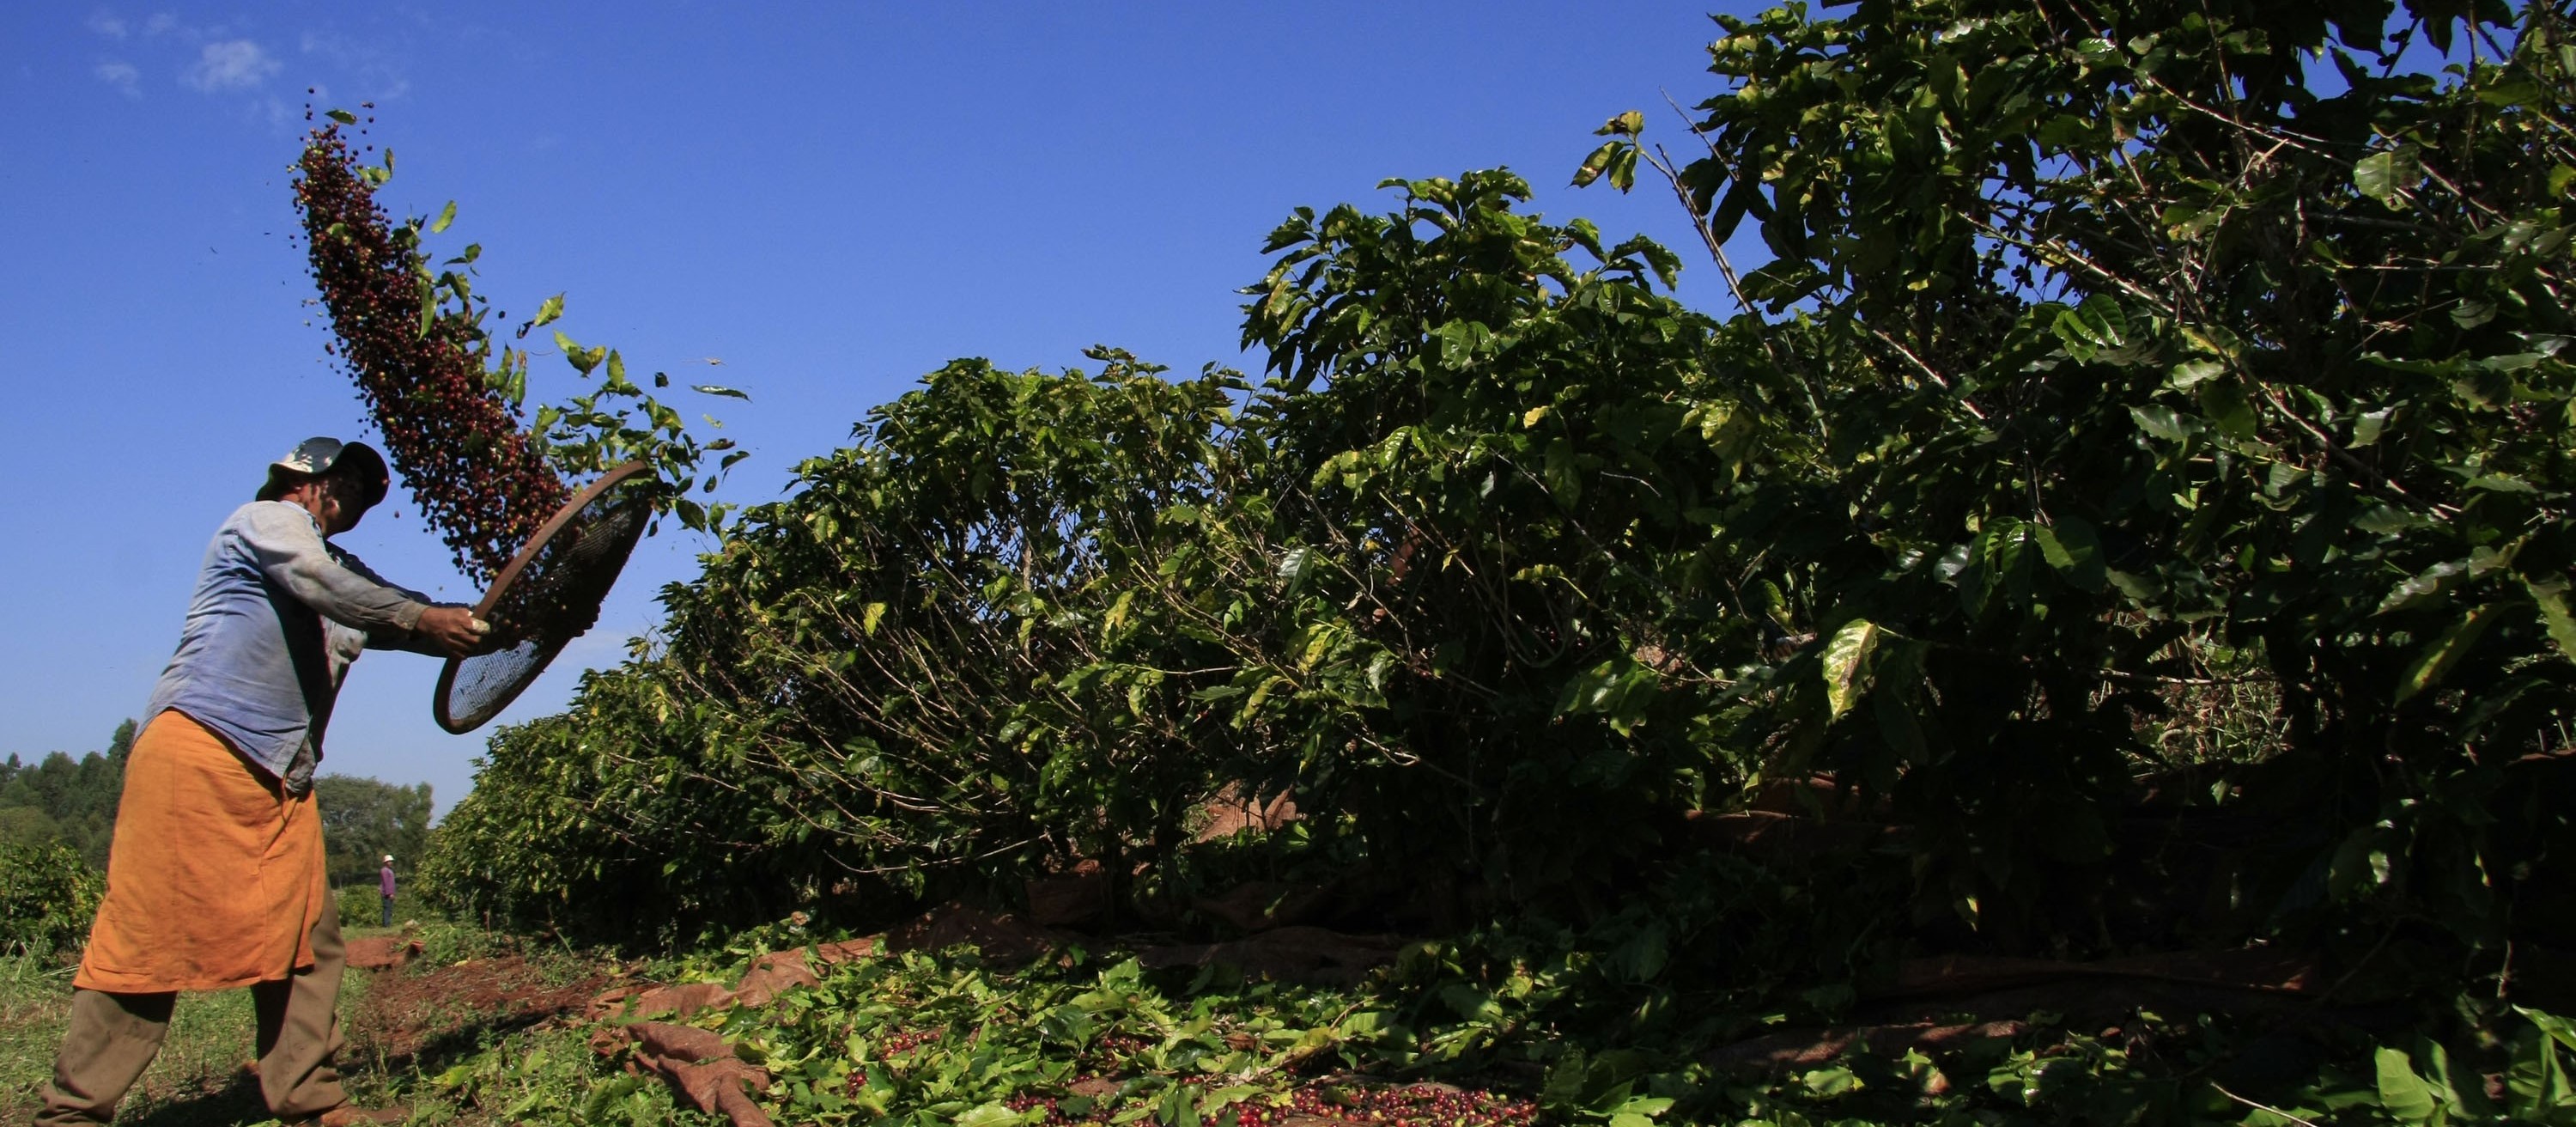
(364, 819)
(66, 800)
(62, 800)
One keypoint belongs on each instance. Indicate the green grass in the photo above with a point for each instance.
(33, 996)
(473, 1073)
(549, 1077)
(199, 1080)
(361, 907)
(199, 1076)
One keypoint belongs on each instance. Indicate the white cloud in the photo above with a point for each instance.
(376, 76)
(234, 64)
(159, 23)
(107, 24)
(123, 76)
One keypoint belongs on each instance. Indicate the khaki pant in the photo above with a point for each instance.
(114, 1036)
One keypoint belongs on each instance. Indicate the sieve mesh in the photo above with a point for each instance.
(547, 597)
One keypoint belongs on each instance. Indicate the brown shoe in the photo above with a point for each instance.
(348, 1116)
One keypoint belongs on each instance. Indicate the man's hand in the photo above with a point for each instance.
(453, 629)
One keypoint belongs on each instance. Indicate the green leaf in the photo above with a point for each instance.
(547, 311)
(2551, 595)
(2182, 376)
(2359, 864)
(2536, 1084)
(1620, 689)
(1648, 1106)
(2424, 589)
(1829, 1083)
(1470, 1003)
(2501, 483)
(1296, 565)
(580, 358)
(1563, 1088)
(1846, 658)
(1895, 714)
(2382, 520)
(988, 1115)
(2225, 404)
(344, 117)
(717, 389)
(2510, 92)
(2089, 329)
(445, 217)
(2165, 422)
(1594, 164)
(2559, 1029)
(2003, 558)
(2401, 1093)
(2387, 176)
(2436, 659)
(2073, 551)
(1562, 470)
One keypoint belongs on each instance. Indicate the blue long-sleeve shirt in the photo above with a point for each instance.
(277, 616)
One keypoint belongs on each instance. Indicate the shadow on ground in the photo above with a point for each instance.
(236, 1103)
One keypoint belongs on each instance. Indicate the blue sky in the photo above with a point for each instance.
(831, 199)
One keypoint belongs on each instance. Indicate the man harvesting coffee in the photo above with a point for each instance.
(215, 878)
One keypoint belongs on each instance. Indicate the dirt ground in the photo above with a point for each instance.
(401, 1024)
(414, 1018)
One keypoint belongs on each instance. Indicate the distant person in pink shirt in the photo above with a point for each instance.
(385, 885)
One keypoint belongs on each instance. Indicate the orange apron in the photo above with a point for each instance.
(215, 878)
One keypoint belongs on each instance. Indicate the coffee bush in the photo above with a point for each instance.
(47, 897)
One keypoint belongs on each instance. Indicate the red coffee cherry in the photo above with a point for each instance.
(457, 442)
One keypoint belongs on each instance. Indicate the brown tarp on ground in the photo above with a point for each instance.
(1309, 955)
(1955, 1000)
(698, 1063)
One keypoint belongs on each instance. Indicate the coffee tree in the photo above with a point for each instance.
(2119, 375)
(2146, 332)
(930, 668)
